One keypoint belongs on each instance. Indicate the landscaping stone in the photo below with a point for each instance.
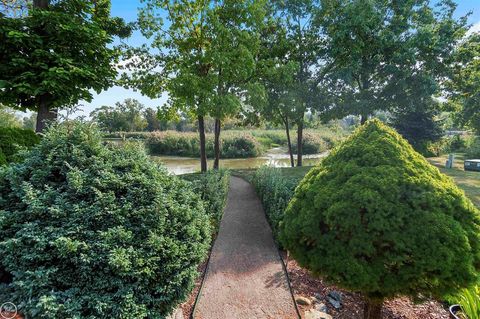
(303, 301)
(315, 314)
(321, 307)
(335, 299)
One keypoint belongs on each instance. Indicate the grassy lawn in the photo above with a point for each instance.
(468, 181)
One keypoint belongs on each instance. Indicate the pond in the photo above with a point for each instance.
(276, 157)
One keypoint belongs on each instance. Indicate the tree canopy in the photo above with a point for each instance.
(56, 54)
(389, 55)
(126, 116)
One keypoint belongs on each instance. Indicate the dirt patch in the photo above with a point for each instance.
(187, 307)
(304, 284)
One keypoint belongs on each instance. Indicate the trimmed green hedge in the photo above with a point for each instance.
(212, 187)
(90, 231)
(275, 191)
(188, 144)
(13, 140)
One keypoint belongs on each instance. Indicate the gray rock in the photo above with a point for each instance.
(335, 298)
(315, 314)
(303, 301)
(321, 307)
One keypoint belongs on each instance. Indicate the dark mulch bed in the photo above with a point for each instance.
(187, 307)
(303, 284)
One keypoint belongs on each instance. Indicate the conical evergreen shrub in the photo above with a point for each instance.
(375, 217)
(89, 231)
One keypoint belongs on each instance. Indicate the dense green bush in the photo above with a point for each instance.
(242, 146)
(275, 192)
(89, 231)
(127, 135)
(188, 144)
(375, 217)
(3, 158)
(271, 138)
(473, 149)
(213, 189)
(312, 144)
(14, 139)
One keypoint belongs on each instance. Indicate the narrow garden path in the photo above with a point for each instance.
(245, 277)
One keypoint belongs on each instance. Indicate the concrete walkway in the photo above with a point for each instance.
(245, 278)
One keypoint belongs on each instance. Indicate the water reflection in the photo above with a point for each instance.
(275, 157)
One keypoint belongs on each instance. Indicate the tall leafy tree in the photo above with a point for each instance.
(419, 125)
(56, 54)
(234, 47)
(204, 56)
(126, 116)
(8, 117)
(175, 60)
(277, 74)
(153, 121)
(389, 55)
(301, 52)
(464, 84)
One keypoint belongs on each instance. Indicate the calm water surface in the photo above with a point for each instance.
(275, 157)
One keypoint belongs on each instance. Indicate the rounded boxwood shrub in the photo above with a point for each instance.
(375, 217)
(90, 231)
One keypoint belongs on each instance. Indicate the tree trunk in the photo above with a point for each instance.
(363, 119)
(45, 115)
(217, 144)
(300, 143)
(289, 142)
(41, 4)
(203, 151)
(372, 309)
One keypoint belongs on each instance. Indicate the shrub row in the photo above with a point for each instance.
(314, 142)
(133, 233)
(13, 140)
(188, 144)
(212, 187)
(275, 191)
(126, 135)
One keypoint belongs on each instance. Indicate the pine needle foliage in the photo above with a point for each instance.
(376, 217)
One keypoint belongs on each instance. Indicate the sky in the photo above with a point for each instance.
(127, 9)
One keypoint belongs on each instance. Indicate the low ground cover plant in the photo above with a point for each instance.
(469, 301)
(375, 217)
(89, 231)
(13, 140)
